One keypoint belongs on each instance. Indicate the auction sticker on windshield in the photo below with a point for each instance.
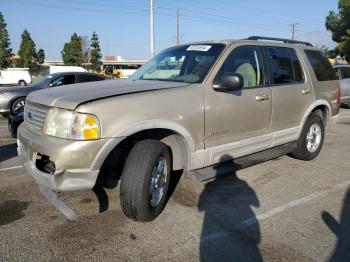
(202, 48)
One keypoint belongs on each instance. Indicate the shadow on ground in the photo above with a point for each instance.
(11, 211)
(341, 230)
(8, 151)
(226, 202)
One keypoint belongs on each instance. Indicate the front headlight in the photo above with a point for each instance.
(71, 125)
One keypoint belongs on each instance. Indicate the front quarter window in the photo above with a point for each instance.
(187, 63)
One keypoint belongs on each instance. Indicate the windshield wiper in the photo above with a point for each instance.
(163, 79)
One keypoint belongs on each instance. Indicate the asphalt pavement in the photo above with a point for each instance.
(280, 210)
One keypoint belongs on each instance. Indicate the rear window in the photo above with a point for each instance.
(284, 66)
(89, 78)
(321, 65)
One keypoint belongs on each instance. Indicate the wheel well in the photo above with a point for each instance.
(323, 112)
(114, 163)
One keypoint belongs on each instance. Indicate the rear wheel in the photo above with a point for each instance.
(18, 105)
(145, 180)
(22, 82)
(311, 138)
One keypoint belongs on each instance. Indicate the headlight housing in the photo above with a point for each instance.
(71, 125)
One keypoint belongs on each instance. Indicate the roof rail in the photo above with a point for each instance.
(287, 41)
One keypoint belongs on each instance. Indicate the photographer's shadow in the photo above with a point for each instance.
(227, 202)
(341, 230)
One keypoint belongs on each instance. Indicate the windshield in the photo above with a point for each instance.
(187, 63)
(43, 80)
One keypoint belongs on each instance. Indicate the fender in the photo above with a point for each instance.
(119, 136)
(315, 104)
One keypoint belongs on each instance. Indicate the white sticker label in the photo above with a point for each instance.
(201, 48)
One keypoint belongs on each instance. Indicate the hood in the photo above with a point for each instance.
(13, 88)
(70, 96)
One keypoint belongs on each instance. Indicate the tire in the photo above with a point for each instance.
(12, 129)
(18, 105)
(22, 82)
(139, 178)
(305, 150)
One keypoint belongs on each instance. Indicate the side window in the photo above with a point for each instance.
(63, 80)
(281, 66)
(298, 72)
(246, 61)
(345, 72)
(88, 78)
(321, 65)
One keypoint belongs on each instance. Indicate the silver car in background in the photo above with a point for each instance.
(343, 72)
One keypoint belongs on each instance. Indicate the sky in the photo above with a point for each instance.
(123, 25)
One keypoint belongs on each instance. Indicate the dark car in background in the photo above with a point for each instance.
(12, 99)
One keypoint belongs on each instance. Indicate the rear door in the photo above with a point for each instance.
(292, 91)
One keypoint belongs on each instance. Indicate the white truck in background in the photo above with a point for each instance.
(14, 76)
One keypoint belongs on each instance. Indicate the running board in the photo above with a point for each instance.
(226, 167)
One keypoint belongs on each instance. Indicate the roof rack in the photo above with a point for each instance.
(287, 41)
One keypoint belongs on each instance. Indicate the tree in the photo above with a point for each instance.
(40, 56)
(27, 53)
(339, 25)
(95, 53)
(5, 50)
(72, 53)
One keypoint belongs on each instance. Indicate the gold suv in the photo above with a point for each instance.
(204, 108)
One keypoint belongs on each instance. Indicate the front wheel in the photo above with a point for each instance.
(18, 105)
(145, 180)
(311, 138)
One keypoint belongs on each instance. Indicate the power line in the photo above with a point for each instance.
(177, 27)
(152, 27)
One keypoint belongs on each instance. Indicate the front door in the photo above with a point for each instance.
(237, 122)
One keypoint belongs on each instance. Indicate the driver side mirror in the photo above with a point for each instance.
(230, 81)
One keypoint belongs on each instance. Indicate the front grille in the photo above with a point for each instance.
(34, 115)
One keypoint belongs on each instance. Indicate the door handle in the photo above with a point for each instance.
(306, 91)
(261, 97)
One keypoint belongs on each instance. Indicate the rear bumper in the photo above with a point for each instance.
(4, 106)
(332, 121)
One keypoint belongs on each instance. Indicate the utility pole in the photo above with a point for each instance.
(152, 27)
(294, 29)
(177, 27)
(107, 47)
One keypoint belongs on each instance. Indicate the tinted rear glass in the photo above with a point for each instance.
(284, 66)
(298, 72)
(89, 78)
(321, 65)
